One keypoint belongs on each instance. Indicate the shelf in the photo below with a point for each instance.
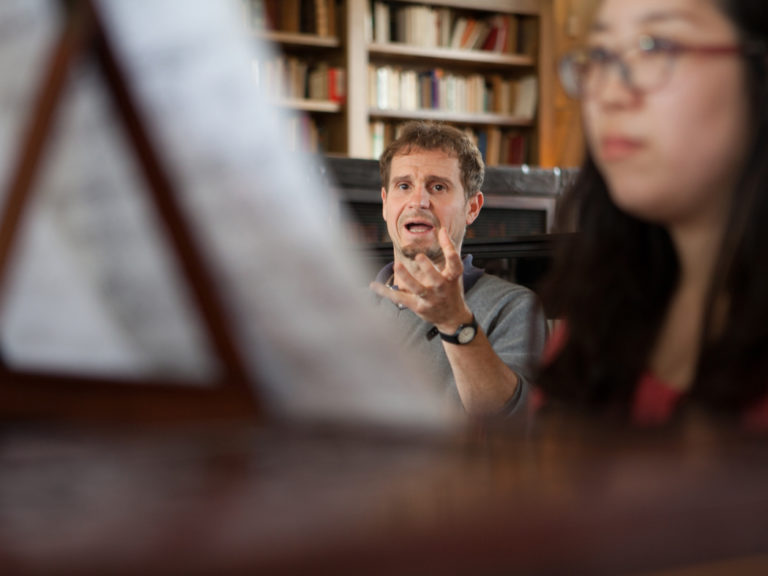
(326, 106)
(533, 59)
(453, 117)
(300, 40)
(449, 55)
(346, 45)
(524, 7)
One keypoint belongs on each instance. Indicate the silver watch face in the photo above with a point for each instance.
(466, 335)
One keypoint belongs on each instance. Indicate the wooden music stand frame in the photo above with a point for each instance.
(38, 395)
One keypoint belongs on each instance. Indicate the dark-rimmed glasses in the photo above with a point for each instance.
(644, 67)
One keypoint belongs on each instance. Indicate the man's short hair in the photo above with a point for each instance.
(421, 135)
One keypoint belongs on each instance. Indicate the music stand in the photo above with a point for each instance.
(38, 394)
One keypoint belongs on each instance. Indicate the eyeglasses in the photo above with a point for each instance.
(644, 67)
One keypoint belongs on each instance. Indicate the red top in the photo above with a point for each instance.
(654, 401)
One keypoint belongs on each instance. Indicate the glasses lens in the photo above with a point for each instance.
(650, 66)
(572, 71)
(646, 68)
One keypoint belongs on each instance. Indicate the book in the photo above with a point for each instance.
(482, 146)
(458, 32)
(272, 15)
(478, 35)
(337, 84)
(318, 82)
(489, 43)
(516, 148)
(308, 16)
(464, 42)
(290, 15)
(377, 138)
(496, 104)
(507, 41)
(494, 146)
(528, 36)
(526, 96)
(115, 303)
(382, 87)
(321, 17)
(372, 87)
(381, 22)
(330, 10)
(444, 17)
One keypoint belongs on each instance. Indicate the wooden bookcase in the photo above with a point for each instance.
(344, 124)
(534, 60)
(307, 72)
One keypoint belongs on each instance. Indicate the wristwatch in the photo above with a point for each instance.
(464, 334)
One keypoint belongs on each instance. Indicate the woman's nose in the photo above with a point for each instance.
(615, 86)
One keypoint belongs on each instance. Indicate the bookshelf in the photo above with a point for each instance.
(501, 90)
(420, 62)
(306, 74)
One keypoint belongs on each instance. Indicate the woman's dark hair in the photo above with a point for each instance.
(613, 281)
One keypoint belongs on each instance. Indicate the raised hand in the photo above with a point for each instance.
(435, 295)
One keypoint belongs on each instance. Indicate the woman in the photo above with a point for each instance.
(663, 293)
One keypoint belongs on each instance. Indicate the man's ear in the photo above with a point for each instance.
(384, 202)
(474, 203)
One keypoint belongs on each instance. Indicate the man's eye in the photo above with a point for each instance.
(402, 186)
(438, 187)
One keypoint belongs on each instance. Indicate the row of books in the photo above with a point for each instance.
(395, 88)
(498, 146)
(440, 27)
(292, 77)
(502, 147)
(298, 16)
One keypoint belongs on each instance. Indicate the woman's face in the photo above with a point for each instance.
(672, 154)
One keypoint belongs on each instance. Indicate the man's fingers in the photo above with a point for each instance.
(428, 273)
(399, 297)
(380, 289)
(453, 266)
(407, 282)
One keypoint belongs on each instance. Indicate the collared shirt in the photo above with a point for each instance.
(508, 314)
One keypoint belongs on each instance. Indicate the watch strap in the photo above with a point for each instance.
(454, 338)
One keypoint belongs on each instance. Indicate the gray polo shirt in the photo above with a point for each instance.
(508, 313)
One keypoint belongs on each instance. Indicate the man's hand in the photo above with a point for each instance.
(436, 296)
(485, 384)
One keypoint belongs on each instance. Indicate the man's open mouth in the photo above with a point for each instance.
(419, 227)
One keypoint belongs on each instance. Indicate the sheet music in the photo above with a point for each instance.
(292, 287)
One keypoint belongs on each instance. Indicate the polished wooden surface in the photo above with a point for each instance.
(295, 500)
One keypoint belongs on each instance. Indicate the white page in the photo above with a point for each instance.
(292, 288)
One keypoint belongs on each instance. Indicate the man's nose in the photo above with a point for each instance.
(420, 196)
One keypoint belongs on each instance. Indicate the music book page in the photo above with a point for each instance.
(95, 286)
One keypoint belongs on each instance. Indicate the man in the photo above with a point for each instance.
(480, 333)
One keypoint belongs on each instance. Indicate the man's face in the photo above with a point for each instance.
(425, 194)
